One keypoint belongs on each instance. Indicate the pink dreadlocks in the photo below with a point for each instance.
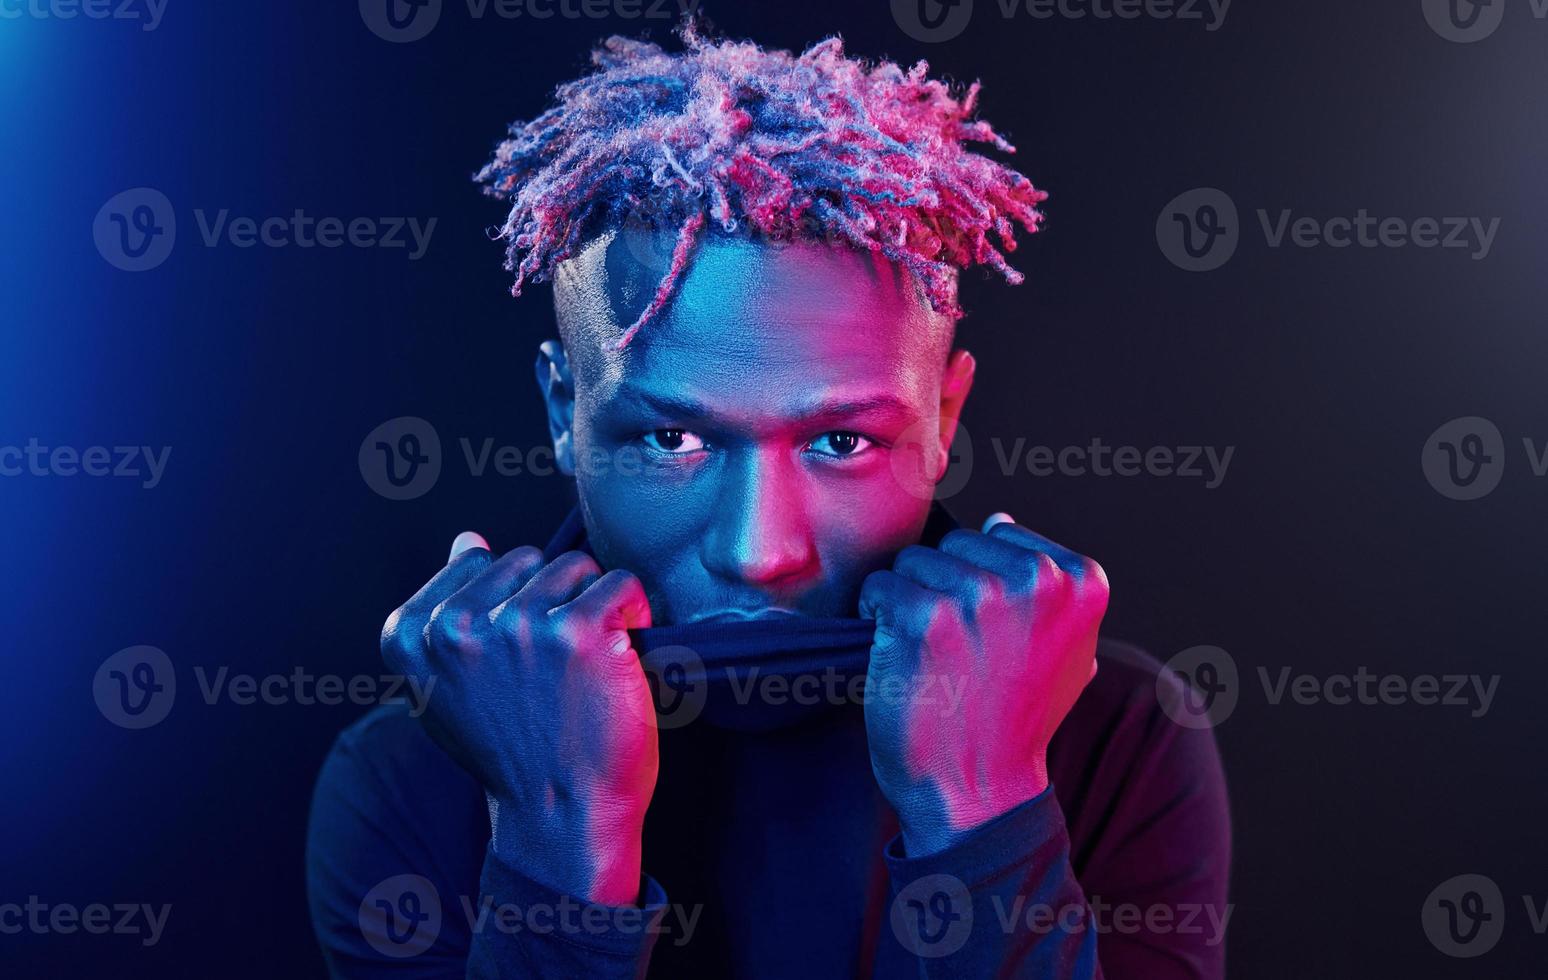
(730, 133)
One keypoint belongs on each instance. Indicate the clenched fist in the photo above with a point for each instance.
(1010, 619)
(540, 696)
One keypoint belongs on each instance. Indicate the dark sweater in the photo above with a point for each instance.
(774, 854)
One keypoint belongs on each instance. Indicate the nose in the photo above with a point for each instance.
(761, 533)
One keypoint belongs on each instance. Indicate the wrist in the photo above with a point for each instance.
(936, 819)
(592, 861)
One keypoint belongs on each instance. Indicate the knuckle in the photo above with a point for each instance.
(955, 540)
(504, 617)
(527, 561)
(1096, 576)
(399, 641)
(562, 626)
(579, 561)
(567, 627)
(872, 587)
(448, 628)
(915, 618)
(911, 556)
(984, 589)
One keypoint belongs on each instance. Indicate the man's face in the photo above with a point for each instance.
(768, 439)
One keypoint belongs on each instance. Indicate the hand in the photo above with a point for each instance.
(1007, 618)
(540, 696)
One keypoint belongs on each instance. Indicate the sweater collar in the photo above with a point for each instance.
(728, 673)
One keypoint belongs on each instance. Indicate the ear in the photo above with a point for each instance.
(956, 382)
(558, 387)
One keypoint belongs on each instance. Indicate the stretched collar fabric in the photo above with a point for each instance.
(715, 665)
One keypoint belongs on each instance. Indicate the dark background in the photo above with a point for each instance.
(263, 548)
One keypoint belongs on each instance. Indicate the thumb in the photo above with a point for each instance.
(877, 597)
(998, 517)
(616, 604)
(467, 541)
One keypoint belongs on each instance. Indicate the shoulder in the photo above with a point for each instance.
(387, 761)
(389, 803)
(387, 797)
(1133, 693)
(1123, 763)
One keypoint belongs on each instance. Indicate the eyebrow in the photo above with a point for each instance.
(690, 408)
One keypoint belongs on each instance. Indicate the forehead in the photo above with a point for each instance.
(752, 327)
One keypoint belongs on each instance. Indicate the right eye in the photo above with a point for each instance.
(673, 442)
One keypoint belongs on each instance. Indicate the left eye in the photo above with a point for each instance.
(673, 442)
(840, 444)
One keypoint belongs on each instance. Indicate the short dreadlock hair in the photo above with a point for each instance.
(761, 142)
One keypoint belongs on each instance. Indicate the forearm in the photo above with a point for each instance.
(1001, 900)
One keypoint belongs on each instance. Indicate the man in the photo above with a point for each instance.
(754, 259)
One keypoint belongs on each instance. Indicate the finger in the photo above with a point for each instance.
(934, 569)
(1014, 564)
(503, 578)
(1086, 573)
(554, 584)
(613, 605)
(467, 541)
(998, 517)
(901, 609)
(403, 644)
(1024, 537)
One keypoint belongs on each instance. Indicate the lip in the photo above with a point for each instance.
(766, 614)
